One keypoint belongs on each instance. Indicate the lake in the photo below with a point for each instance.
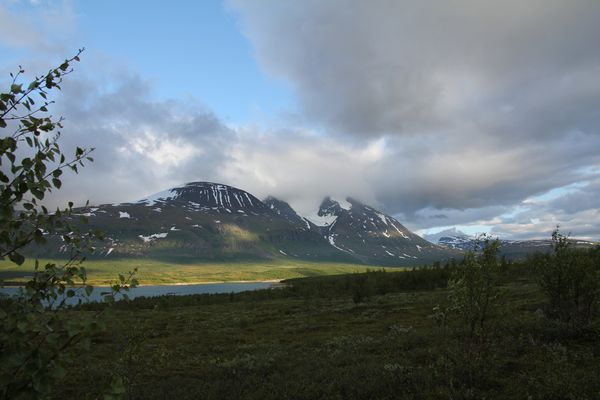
(177, 290)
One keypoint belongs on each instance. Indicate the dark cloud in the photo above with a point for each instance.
(409, 66)
(438, 216)
(483, 105)
(581, 199)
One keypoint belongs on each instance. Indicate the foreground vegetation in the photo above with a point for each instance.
(153, 272)
(364, 335)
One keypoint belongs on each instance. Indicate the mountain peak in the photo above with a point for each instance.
(207, 195)
(329, 207)
(284, 210)
(329, 210)
(333, 206)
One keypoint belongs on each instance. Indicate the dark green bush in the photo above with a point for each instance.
(570, 279)
(474, 289)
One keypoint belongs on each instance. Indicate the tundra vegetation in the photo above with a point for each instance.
(470, 329)
(467, 329)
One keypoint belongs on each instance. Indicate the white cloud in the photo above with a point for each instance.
(165, 152)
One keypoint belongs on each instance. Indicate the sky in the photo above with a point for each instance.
(456, 116)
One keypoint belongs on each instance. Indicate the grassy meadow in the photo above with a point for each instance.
(316, 339)
(155, 272)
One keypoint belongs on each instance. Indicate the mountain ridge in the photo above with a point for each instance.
(208, 221)
(512, 249)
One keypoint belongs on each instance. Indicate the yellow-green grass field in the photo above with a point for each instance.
(154, 272)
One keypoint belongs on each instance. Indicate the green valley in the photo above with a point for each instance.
(156, 272)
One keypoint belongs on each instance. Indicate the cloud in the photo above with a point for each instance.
(302, 167)
(454, 113)
(41, 30)
(404, 67)
(482, 105)
(141, 145)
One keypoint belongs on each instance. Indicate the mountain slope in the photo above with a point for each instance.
(204, 221)
(200, 221)
(284, 210)
(374, 237)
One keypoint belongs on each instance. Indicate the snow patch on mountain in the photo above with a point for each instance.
(123, 214)
(382, 217)
(322, 220)
(399, 231)
(344, 204)
(332, 242)
(160, 196)
(154, 236)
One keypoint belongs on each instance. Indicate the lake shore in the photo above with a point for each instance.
(274, 281)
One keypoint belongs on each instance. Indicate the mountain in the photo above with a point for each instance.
(199, 221)
(511, 249)
(459, 242)
(205, 221)
(451, 232)
(205, 196)
(372, 236)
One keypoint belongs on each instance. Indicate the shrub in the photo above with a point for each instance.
(570, 279)
(473, 288)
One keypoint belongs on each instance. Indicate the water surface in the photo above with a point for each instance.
(161, 290)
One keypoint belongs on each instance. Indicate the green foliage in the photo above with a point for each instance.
(33, 343)
(468, 361)
(36, 330)
(313, 341)
(101, 270)
(361, 286)
(32, 164)
(570, 278)
(474, 294)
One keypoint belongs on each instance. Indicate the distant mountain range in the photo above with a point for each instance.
(512, 249)
(204, 221)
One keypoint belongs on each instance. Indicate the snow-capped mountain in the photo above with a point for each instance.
(459, 242)
(512, 249)
(207, 196)
(203, 221)
(372, 236)
(211, 221)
